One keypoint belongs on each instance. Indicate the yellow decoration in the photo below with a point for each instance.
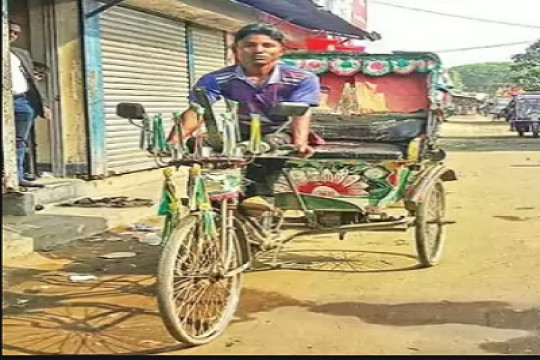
(413, 151)
(369, 101)
(256, 137)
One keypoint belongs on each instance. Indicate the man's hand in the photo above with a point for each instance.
(304, 150)
(47, 113)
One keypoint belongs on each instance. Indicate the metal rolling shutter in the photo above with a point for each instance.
(144, 61)
(209, 53)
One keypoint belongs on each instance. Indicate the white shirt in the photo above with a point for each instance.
(19, 84)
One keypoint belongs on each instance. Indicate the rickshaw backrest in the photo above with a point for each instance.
(385, 128)
(388, 96)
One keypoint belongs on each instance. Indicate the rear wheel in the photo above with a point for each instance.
(521, 133)
(535, 131)
(429, 232)
(197, 291)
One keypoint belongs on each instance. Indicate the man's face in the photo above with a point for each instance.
(39, 75)
(14, 32)
(258, 50)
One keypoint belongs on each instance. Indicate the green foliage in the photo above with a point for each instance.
(525, 71)
(482, 77)
(457, 81)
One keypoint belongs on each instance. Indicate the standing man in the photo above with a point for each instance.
(258, 83)
(27, 100)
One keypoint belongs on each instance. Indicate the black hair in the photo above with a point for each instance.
(41, 66)
(259, 29)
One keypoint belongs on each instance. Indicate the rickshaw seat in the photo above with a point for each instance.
(359, 150)
(369, 137)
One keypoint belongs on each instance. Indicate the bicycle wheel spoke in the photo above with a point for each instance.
(200, 298)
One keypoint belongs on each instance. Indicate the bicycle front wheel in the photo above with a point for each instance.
(197, 291)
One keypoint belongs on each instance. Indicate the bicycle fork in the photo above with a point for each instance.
(231, 265)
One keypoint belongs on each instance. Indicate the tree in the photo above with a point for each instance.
(457, 81)
(482, 77)
(525, 71)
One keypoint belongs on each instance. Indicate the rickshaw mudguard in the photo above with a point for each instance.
(289, 201)
(417, 192)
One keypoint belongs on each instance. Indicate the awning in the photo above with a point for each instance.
(308, 15)
(106, 5)
(226, 15)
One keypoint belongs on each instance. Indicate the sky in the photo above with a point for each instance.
(403, 29)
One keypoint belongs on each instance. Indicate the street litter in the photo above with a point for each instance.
(111, 202)
(47, 175)
(142, 227)
(22, 302)
(151, 239)
(82, 278)
(118, 255)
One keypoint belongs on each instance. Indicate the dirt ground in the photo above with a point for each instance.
(363, 295)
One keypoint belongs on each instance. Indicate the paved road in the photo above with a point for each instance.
(363, 295)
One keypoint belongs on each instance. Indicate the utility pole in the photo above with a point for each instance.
(10, 181)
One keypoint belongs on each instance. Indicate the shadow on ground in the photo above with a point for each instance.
(491, 314)
(489, 143)
(114, 314)
(117, 313)
(339, 260)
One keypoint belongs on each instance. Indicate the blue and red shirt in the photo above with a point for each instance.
(285, 84)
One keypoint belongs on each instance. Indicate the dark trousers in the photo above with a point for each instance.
(262, 175)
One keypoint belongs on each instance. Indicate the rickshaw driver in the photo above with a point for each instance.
(258, 83)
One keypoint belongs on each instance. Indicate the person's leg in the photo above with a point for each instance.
(24, 118)
(262, 175)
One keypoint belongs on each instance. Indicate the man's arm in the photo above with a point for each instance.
(308, 91)
(301, 126)
(190, 120)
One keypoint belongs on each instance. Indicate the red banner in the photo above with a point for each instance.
(295, 36)
(359, 14)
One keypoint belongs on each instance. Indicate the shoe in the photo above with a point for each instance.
(30, 177)
(256, 206)
(29, 184)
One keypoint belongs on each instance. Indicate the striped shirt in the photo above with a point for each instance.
(285, 84)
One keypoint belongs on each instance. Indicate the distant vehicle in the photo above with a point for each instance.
(524, 114)
(496, 107)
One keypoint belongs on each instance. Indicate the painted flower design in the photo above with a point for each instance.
(328, 183)
(316, 66)
(420, 65)
(376, 67)
(431, 65)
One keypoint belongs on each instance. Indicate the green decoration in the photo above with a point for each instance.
(159, 141)
(345, 67)
(403, 66)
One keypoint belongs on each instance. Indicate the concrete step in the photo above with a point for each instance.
(56, 225)
(58, 190)
(46, 231)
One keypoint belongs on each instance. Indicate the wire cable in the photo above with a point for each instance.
(457, 15)
(485, 46)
